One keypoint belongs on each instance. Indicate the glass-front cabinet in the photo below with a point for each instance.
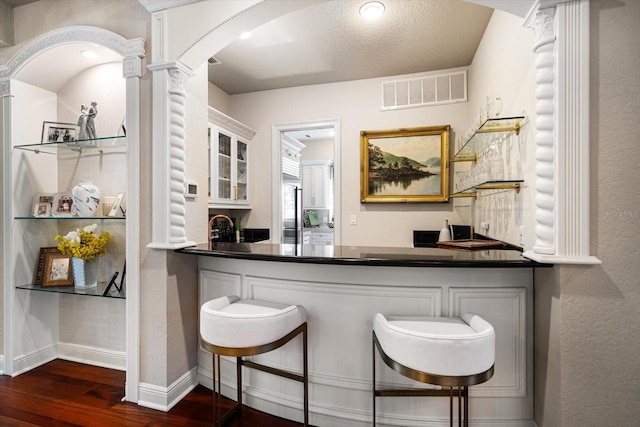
(228, 161)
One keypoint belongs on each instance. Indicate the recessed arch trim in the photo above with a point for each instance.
(124, 47)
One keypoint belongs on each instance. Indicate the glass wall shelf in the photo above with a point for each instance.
(105, 144)
(98, 291)
(490, 185)
(485, 134)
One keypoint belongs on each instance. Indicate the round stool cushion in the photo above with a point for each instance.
(438, 345)
(238, 323)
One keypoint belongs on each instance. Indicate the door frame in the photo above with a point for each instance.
(276, 182)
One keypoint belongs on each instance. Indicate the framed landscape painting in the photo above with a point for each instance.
(409, 165)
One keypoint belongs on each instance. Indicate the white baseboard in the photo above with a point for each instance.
(93, 356)
(165, 398)
(73, 352)
(27, 362)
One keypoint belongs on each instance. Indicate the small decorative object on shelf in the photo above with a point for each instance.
(86, 198)
(62, 205)
(84, 246)
(38, 276)
(117, 208)
(91, 127)
(82, 122)
(59, 132)
(57, 270)
(85, 273)
(42, 204)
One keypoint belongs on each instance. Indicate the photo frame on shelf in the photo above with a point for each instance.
(118, 206)
(42, 204)
(112, 283)
(38, 275)
(62, 205)
(59, 132)
(408, 165)
(58, 270)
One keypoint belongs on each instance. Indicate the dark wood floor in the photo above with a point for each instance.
(62, 393)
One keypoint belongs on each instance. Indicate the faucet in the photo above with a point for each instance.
(213, 218)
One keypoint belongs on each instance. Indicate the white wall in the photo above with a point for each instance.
(358, 105)
(503, 66)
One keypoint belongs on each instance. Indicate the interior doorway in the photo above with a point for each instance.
(318, 149)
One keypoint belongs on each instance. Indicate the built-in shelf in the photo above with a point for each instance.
(98, 291)
(110, 143)
(490, 185)
(485, 134)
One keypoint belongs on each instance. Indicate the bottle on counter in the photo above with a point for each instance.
(445, 233)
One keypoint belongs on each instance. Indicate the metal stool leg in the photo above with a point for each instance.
(239, 379)
(459, 406)
(218, 400)
(466, 406)
(305, 361)
(373, 353)
(213, 394)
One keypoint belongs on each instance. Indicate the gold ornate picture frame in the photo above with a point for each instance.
(408, 165)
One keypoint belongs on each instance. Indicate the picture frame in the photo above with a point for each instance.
(58, 270)
(38, 275)
(116, 208)
(62, 205)
(42, 203)
(407, 165)
(59, 132)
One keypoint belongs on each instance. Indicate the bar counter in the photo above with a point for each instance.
(341, 289)
(367, 255)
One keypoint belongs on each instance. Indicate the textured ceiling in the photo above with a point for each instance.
(16, 3)
(331, 42)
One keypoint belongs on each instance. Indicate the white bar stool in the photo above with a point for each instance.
(230, 326)
(449, 352)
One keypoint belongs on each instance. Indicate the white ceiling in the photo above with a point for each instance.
(62, 63)
(331, 42)
(328, 42)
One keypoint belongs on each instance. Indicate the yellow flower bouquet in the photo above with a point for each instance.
(84, 244)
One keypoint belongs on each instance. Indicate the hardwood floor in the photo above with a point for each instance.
(63, 393)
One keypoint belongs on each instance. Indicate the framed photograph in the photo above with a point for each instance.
(117, 208)
(59, 132)
(62, 205)
(42, 204)
(58, 270)
(405, 165)
(38, 275)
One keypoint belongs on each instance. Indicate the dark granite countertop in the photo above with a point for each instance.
(366, 255)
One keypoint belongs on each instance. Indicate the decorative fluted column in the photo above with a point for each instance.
(168, 201)
(545, 132)
(562, 224)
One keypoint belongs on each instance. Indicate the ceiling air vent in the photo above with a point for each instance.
(422, 91)
(213, 60)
